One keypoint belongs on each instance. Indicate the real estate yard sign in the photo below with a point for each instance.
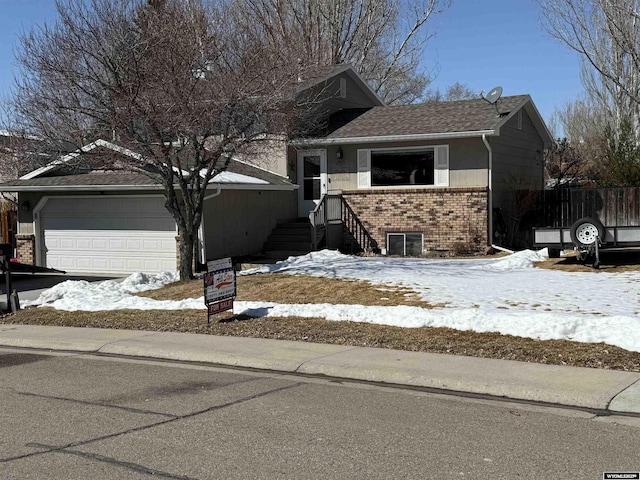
(219, 286)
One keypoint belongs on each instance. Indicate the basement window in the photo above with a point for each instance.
(406, 244)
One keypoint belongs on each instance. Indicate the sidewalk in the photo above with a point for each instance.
(613, 391)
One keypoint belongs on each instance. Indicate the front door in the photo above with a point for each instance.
(312, 178)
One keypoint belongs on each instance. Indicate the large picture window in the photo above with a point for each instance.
(402, 168)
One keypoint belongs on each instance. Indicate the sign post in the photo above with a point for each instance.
(219, 286)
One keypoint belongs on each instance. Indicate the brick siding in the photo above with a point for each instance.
(26, 248)
(452, 220)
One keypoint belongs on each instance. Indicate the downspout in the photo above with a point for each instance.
(490, 187)
(203, 253)
(490, 195)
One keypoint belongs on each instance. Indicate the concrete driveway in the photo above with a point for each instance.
(30, 285)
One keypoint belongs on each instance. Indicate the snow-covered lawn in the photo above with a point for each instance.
(507, 295)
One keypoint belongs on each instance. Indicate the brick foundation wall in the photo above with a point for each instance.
(452, 220)
(26, 248)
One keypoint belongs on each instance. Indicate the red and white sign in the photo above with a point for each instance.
(219, 286)
(220, 306)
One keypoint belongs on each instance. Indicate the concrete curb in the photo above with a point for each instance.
(615, 391)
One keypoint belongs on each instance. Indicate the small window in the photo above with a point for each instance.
(404, 244)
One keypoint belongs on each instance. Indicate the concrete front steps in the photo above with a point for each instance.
(289, 239)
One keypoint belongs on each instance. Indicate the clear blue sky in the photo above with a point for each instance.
(484, 43)
(481, 43)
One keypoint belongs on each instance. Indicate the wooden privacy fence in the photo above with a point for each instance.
(8, 227)
(614, 207)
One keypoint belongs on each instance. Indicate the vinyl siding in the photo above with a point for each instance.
(238, 222)
(467, 162)
(517, 161)
(355, 97)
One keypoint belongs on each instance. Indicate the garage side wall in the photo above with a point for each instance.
(238, 222)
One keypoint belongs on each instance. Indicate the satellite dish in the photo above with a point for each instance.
(493, 96)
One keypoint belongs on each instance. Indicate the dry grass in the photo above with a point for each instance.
(610, 262)
(303, 289)
(300, 289)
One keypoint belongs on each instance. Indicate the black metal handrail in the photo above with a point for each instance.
(359, 232)
(333, 208)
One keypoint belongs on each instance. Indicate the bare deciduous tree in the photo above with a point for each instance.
(384, 40)
(176, 81)
(606, 34)
(457, 91)
(566, 165)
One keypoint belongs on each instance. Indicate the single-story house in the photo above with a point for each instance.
(404, 180)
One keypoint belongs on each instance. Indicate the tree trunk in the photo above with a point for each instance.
(187, 242)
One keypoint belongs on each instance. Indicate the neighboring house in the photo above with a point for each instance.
(406, 180)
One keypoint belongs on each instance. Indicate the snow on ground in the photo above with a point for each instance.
(506, 295)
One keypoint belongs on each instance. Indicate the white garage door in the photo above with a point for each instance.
(108, 235)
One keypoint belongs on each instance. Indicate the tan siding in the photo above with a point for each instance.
(268, 154)
(517, 161)
(238, 222)
(330, 92)
(467, 162)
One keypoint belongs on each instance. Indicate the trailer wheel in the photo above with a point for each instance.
(585, 231)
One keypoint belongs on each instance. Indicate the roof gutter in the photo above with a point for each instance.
(203, 249)
(394, 138)
(126, 188)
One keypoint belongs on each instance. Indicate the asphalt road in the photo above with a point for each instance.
(85, 417)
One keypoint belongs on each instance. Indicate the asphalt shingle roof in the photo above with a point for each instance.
(128, 179)
(429, 118)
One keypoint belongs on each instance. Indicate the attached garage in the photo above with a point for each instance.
(105, 234)
(83, 218)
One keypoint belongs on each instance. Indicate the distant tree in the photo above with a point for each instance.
(606, 34)
(384, 40)
(19, 154)
(566, 165)
(176, 81)
(457, 91)
(620, 166)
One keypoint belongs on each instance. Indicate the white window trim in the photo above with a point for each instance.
(440, 158)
